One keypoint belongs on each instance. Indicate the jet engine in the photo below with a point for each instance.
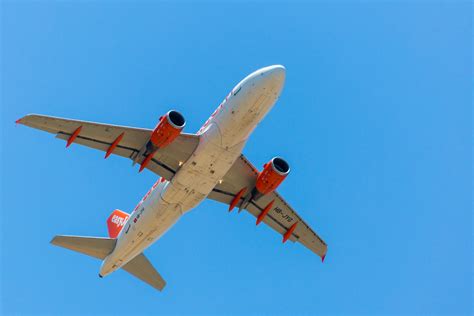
(272, 175)
(168, 128)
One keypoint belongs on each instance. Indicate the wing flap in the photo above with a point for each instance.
(120, 150)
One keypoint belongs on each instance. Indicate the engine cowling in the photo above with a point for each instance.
(168, 128)
(272, 175)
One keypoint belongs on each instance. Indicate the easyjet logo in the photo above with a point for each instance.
(119, 221)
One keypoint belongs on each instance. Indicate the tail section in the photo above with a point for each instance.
(140, 267)
(101, 247)
(96, 247)
(115, 222)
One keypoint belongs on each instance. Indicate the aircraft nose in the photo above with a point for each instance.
(274, 77)
(276, 71)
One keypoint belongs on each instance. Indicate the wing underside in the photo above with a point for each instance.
(100, 136)
(281, 216)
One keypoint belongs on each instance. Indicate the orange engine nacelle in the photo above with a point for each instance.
(169, 127)
(272, 175)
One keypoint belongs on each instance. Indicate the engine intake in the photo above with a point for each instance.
(272, 175)
(169, 127)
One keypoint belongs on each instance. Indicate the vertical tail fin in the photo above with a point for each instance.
(115, 222)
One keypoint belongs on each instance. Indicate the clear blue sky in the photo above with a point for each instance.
(375, 120)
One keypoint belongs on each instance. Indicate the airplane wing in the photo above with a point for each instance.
(281, 216)
(100, 136)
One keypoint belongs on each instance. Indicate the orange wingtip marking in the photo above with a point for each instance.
(116, 222)
(289, 232)
(264, 212)
(73, 136)
(113, 146)
(236, 199)
(146, 161)
(18, 121)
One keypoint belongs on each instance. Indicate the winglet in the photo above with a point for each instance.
(322, 258)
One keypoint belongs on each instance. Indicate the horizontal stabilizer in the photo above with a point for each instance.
(141, 268)
(96, 247)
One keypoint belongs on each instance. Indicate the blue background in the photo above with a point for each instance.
(375, 120)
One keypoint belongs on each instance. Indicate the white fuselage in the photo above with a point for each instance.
(222, 139)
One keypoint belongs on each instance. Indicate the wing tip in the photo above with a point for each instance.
(160, 287)
(23, 120)
(55, 240)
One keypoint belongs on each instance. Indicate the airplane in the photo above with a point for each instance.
(191, 168)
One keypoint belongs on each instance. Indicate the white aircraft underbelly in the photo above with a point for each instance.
(222, 139)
